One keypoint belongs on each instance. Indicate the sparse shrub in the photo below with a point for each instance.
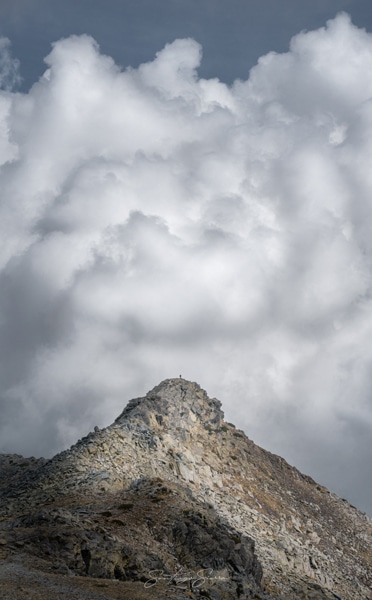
(126, 506)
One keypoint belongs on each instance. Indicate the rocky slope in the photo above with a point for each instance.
(171, 499)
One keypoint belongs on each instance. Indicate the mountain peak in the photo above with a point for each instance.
(174, 403)
(169, 477)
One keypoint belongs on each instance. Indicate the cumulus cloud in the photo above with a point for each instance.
(156, 223)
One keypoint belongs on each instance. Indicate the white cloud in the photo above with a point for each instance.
(155, 223)
(9, 67)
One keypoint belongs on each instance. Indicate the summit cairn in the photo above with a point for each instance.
(171, 486)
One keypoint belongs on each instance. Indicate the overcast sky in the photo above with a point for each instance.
(186, 187)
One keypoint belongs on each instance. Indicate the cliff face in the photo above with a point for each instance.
(169, 488)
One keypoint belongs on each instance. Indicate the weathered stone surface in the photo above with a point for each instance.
(170, 485)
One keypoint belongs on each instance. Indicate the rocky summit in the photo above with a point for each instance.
(172, 501)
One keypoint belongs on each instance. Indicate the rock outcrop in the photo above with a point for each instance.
(172, 495)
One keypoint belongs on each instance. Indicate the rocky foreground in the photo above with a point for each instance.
(172, 501)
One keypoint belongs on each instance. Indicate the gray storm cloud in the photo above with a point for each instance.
(154, 223)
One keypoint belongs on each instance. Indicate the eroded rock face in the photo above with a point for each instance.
(175, 403)
(152, 532)
(195, 494)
